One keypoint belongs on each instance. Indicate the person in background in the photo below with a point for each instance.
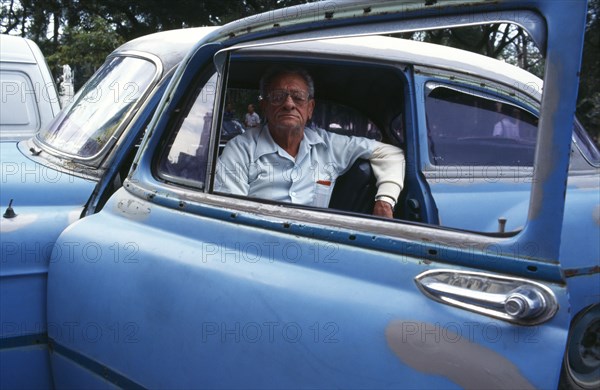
(252, 120)
(508, 126)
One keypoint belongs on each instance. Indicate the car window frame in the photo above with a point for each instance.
(141, 184)
(190, 192)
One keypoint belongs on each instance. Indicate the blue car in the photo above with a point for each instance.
(487, 276)
(65, 172)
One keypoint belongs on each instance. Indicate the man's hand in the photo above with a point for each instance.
(383, 209)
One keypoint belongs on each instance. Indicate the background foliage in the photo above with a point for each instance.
(83, 32)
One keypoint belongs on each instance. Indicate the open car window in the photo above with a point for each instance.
(185, 159)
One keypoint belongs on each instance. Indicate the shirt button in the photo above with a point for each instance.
(293, 193)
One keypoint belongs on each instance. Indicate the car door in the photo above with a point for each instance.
(173, 285)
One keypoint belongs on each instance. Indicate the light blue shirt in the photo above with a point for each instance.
(252, 164)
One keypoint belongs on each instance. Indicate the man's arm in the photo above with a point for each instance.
(388, 166)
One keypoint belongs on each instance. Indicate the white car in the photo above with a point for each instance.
(27, 91)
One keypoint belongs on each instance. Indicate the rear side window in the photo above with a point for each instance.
(186, 156)
(19, 111)
(470, 129)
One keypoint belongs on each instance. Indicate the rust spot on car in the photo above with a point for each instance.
(133, 209)
(434, 350)
(569, 273)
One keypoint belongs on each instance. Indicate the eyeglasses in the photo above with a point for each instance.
(279, 96)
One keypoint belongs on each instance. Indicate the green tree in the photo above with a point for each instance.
(84, 48)
(66, 29)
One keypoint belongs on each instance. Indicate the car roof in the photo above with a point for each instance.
(169, 46)
(18, 49)
(390, 49)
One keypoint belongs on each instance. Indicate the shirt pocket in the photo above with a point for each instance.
(323, 189)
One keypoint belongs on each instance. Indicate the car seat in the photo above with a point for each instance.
(355, 190)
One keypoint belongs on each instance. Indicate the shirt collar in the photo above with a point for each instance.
(313, 137)
(266, 144)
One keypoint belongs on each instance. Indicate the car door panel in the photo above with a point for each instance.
(218, 307)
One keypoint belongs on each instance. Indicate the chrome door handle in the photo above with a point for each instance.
(511, 299)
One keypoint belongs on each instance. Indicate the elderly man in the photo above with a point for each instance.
(288, 162)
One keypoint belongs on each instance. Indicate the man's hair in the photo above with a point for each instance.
(278, 70)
